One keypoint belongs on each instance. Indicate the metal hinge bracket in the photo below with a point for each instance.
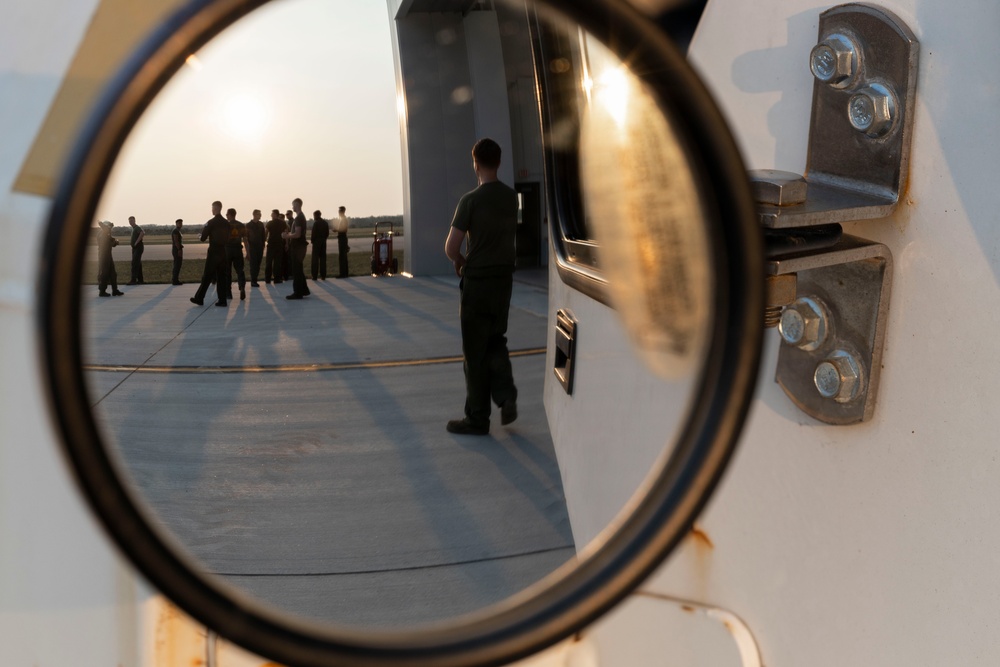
(828, 293)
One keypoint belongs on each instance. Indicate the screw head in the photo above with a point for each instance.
(839, 377)
(834, 61)
(804, 323)
(872, 110)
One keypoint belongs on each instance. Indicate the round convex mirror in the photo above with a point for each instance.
(280, 468)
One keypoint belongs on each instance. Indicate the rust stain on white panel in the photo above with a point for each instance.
(179, 641)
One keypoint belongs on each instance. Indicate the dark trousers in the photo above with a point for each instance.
(215, 269)
(342, 250)
(137, 263)
(234, 262)
(319, 259)
(175, 275)
(274, 264)
(488, 375)
(107, 275)
(298, 256)
(256, 255)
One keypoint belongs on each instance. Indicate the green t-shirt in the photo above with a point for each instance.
(488, 216)
(299, 225)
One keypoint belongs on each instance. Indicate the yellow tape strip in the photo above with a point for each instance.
(116, 30)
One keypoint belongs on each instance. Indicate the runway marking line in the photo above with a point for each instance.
(294, 368)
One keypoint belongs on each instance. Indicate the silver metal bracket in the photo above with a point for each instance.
(849, 288)
(865, 69)
(833, 324)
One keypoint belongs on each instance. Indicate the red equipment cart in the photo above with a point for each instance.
(383, 263)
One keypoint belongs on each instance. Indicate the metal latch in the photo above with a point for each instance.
(828, 293)
(565, 349)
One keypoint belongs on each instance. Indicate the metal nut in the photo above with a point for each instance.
(778, 188)
(872, 110)
(804, 324)
(839, 377)
(834, 60)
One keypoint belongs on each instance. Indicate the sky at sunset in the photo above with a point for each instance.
(296, 100)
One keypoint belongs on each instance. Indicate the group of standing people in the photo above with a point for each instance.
(278, 260)
(283, 238)
(285, 242)
(485, 223)
(107, 275)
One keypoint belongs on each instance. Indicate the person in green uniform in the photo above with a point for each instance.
(177, 250)
(255, 246)
(106, 273)
(320, 233)
(487, 218)
(297, 245)
(275, 259)
(216, 231)
(287, 265)
(234, 255)
(137, 247)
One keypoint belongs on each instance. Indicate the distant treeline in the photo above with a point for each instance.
(125, 231)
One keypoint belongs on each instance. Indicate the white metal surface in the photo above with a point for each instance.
(873, 544)
(653, 630)
(65, 598)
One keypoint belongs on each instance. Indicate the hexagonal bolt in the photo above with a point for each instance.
(872, 110)
(839, 377)
(778, 188)
(835, 61)
(804, 323)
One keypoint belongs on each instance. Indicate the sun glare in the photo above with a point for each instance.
(242, 101)
(613, 90)
(244, 118)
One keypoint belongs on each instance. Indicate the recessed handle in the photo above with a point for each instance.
(565, 349)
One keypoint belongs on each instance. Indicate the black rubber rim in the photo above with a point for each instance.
(570, 598)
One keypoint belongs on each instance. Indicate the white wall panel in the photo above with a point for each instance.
(66, 598)
(873, 544)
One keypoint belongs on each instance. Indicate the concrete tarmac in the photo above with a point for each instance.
(297, 449)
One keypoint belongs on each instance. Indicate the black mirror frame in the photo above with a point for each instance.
(571, 597)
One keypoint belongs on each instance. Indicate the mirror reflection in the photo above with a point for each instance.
(296, 448)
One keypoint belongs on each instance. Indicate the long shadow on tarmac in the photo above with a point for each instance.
(333, 495)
